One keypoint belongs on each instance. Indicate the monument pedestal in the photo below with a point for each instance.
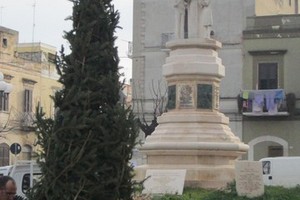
(193, 134)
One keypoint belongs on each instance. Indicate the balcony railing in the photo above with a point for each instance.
(263, 103)
(27, 121)
(273, 22)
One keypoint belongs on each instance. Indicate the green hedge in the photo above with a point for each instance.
(271, 193)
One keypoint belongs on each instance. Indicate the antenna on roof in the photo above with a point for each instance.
(1, 11)
(33, 28)
(33, 20)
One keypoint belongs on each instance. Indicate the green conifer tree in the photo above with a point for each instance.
(87, 147)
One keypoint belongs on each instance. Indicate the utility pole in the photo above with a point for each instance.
(33, 28)
(1, 11)
(33, 20)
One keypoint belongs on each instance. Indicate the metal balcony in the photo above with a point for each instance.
(263, 103)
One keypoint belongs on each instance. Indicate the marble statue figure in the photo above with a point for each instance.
(181, 10)
(199, 18)
(205, 19)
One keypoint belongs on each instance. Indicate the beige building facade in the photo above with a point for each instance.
(271, 66)
(30, 69)
(276, 7)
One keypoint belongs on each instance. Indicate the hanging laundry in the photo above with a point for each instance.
(258, 103)
(270, 102)
(246, 95)
(245, 104)
(279, 95)
(261, 102)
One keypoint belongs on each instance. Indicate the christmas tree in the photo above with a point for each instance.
(88, 145)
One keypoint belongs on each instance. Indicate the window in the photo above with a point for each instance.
(28, 100)
(268, 69)
(4, 42)
(275, 151)
(26, 152)
(26, 181)
(266, 167)
(267, 76)
(4, 99)
(4, 154)
(51, 58)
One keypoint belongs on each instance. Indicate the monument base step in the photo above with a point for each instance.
(203, 176)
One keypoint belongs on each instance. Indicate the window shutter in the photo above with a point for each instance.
(1, 100)
(6, 101)
(4, 154)
(25, 100)
(30, 101)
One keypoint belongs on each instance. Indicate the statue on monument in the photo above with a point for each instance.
(205, 19)
(181, 8)
(193, 18)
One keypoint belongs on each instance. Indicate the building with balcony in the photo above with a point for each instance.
(30, 69)
(270, 100)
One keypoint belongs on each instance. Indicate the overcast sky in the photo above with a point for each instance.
(45, 22)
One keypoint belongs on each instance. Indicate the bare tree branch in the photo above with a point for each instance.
(159, 101)
(17, 120)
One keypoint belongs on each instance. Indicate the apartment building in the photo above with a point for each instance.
(270, 99)
(30, 69)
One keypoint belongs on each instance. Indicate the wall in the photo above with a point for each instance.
(275, 7)
(12, 37)
(291, 61)
(278, 127)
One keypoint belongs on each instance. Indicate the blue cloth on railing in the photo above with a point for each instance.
(279, 95)
(258, 102)
(250, 94)
(270, 100)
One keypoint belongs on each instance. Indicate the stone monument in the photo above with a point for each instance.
(249, 178)
(193, 135)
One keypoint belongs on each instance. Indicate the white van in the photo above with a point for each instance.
(25, 173)
(281, 171)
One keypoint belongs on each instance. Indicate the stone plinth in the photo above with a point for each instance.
(193, 134)
(249, 178)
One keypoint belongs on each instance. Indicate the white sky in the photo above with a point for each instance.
(49, 19)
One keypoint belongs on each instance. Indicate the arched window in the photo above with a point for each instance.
(274, 149)
(4, 154)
